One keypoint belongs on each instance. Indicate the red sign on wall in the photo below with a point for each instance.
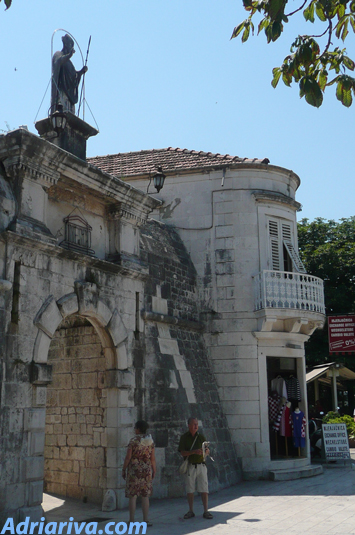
(341, 331)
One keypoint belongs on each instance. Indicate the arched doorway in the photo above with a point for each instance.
(75, 434)
(84, 336)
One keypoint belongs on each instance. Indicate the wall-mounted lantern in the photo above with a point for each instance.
(158, 179)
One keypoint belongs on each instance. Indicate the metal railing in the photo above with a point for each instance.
(283, 289)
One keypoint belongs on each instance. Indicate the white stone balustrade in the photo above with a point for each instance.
(283, 289)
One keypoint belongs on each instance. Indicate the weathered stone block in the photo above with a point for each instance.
(179, 362)
(68, 305)
(39, 396)
(35, 492)
(34, 468)
(15, 420)
(48, 317)
(120, 379)
(159, 305)
(41, 347)
(186, 379)
(224, 231)
(190, 395)
(95, 457)
(41, 374)
(117, 329)
(34, 513)
(122, 358)
(169, 347)
(34, 419)
(36, 443)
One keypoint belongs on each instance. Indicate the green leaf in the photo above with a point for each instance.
(309, 88)
(320, 12)
(263, 24)
(246, 33)
(8, 3)
(352, 22)
(349, 64)
(275, 7)
(238, 29)
(341, 11)
(276, 76)
(276, 30)
(338, 28)
(344, 94)
(286, 78)
(268, 33)
(308, 13)
(322, 80)
(345, 31)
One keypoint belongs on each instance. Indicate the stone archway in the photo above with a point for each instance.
(75, 432)
(88, 314)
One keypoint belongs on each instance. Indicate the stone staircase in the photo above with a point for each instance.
(295, 473)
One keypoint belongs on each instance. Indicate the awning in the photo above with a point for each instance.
(314, 374)
(319, 371)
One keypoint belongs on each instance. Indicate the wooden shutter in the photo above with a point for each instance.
(274, 245)
(287, 241)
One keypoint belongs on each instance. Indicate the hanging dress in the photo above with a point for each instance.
(299, 422)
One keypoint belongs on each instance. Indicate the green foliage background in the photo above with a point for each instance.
(327, 249)
(335, 418)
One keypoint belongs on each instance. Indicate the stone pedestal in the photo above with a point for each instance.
(74, 136)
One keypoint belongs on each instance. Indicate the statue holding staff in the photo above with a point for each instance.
(65, 79)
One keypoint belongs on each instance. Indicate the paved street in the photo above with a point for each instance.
(321, 504)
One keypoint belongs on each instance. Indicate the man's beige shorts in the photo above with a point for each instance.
(196, 478)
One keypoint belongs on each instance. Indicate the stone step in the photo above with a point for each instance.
(295, 473)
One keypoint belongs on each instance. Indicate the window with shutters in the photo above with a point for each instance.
(283, 254)
(77, 234)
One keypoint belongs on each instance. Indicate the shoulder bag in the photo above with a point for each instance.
(184, 466)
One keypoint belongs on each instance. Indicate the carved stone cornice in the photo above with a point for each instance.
(275, 197)
(19, 166)
(127, 213)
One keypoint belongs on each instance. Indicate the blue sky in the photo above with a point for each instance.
(165, 73)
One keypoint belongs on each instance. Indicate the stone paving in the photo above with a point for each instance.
(321, 504)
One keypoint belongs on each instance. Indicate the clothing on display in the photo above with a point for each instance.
(285, 425)
(278, 419)
(278, 384)
(298, 422)
(293, 388)
(274, 405)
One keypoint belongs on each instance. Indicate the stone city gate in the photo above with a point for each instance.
(81, 436)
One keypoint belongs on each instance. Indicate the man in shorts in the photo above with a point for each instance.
(196, 477)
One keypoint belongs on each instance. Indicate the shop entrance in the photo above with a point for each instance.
(287, 424)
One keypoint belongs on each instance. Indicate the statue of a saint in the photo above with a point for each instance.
(65, 79)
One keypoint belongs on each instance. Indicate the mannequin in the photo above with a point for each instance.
(298, 421)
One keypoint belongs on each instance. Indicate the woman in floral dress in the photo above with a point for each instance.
(139, 469)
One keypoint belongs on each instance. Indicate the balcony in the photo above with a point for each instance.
(285, 290)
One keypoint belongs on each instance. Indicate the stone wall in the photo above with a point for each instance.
(75, 438)
(174, 366)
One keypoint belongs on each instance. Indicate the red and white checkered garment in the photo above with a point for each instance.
(274, 406)
(277, 421)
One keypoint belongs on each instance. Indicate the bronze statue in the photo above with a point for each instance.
(65, 79)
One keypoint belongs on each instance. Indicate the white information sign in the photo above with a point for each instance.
(335, 442)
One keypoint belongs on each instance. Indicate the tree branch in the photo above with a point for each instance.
(299, 9)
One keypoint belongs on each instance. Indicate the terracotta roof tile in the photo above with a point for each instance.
(171, 160)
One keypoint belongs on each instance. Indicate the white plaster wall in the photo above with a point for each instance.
(225, 231)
